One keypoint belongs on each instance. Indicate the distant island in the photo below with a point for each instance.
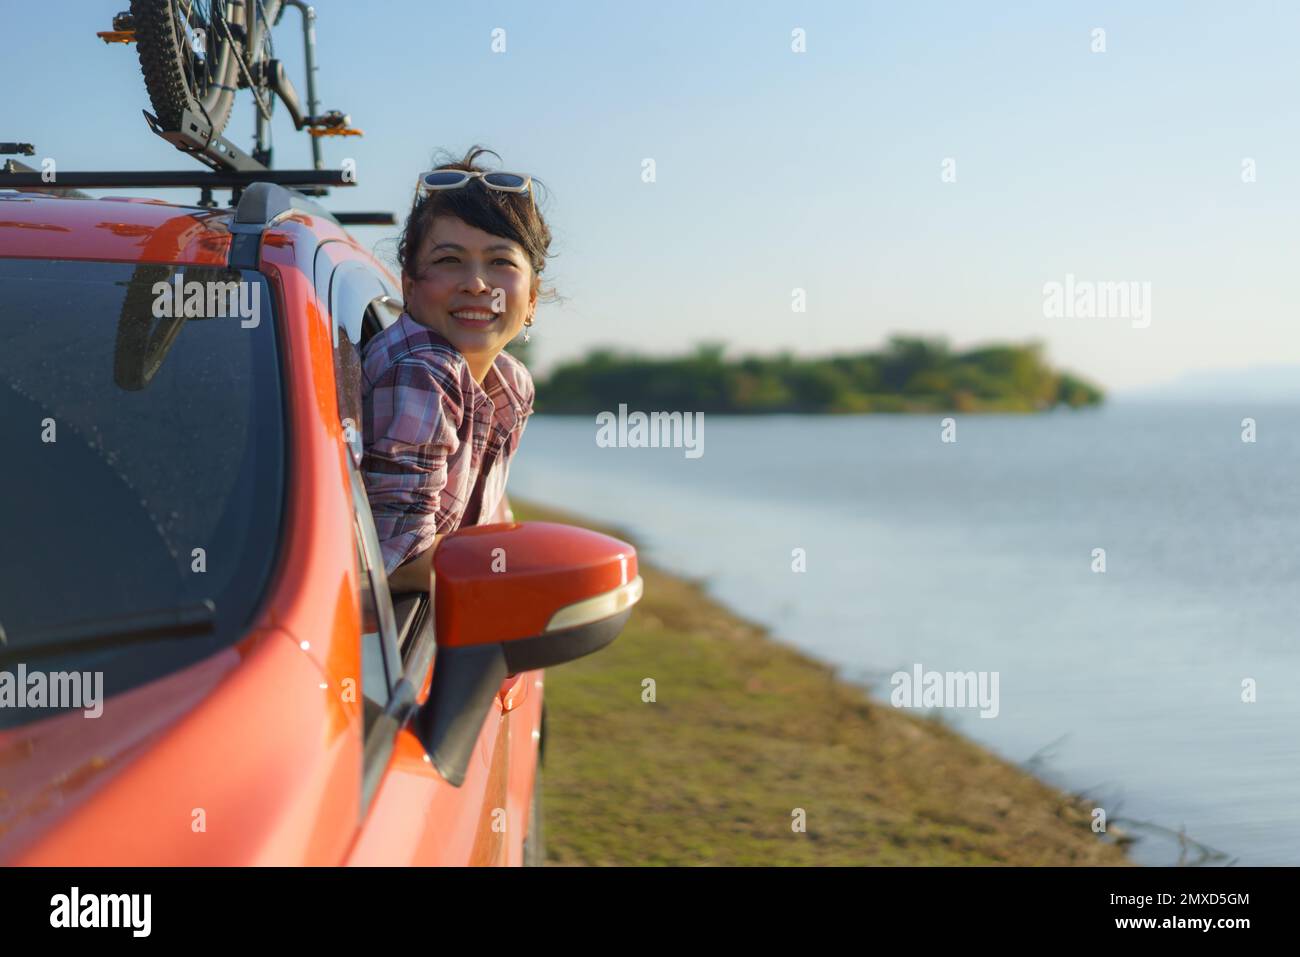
(909, 374)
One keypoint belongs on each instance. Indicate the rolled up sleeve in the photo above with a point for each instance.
(411, 430)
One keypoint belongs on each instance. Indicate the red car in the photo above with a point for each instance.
(200, 660)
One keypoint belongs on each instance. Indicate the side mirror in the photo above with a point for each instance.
(512, 597)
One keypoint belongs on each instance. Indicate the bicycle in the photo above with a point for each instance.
(195, 56)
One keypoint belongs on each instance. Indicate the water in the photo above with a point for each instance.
(978, 555)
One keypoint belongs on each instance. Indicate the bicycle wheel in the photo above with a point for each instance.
(187, 57)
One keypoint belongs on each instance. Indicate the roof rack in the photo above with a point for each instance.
(14, 166)
(164, 179)
(19, 176)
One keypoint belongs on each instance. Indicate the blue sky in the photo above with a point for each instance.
(819, 170)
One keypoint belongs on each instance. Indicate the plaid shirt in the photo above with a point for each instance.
(437, 444)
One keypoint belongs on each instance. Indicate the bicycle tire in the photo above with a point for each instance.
(163, 63)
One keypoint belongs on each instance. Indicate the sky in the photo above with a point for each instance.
(918, 168)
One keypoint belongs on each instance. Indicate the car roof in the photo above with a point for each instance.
(120, 228)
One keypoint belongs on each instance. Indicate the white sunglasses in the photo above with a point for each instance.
(455, 178)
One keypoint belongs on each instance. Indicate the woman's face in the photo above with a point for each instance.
(471, 287)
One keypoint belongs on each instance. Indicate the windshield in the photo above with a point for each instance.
(142, 427)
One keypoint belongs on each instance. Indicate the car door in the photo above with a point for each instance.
(409, 813)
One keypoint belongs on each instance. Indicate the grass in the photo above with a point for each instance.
(743, 731)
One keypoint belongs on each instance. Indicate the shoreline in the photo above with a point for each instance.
(748, 737)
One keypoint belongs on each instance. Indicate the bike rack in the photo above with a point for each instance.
(263, 151)
(195, 138)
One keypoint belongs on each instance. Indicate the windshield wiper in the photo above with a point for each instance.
(97, 633)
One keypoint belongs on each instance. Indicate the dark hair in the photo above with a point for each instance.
(514, 216)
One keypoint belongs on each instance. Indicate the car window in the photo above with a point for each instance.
(376, 682)
(142, 423)
(352, 288)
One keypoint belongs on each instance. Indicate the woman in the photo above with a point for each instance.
(444, 406)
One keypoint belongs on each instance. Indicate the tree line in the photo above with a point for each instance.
(909, 374)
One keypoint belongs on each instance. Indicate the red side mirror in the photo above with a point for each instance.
(513, 597)
(516, 580)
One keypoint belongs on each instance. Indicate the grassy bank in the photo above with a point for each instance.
(745, 730)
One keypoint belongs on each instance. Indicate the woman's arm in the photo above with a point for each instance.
(416, 574)
(412, 415)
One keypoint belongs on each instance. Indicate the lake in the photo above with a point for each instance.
(980, 554)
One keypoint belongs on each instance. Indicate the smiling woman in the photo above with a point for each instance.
(444, 405)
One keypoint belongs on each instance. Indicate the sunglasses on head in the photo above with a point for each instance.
(455, 178)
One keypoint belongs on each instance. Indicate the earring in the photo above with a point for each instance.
(527, 322)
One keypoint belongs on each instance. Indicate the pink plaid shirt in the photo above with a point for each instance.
(437, 444)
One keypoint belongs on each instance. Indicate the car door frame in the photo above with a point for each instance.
(410, 641)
